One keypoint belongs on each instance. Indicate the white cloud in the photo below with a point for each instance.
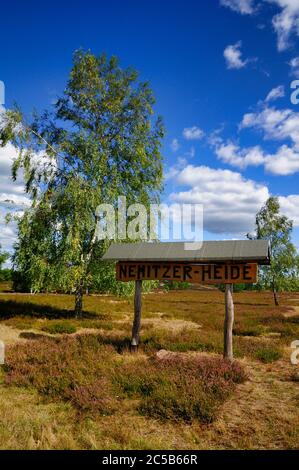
(174, 170)
(12, 196)
(286, 22)
(242, 158)
(174, 145)
(289, 206)
(193, 133)
(245, 7)
(275, 93)
(233, 56)
(277, 124)
(230, 201)
(284, 162)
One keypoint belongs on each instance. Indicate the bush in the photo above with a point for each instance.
(268, 354)
(76, 369)
(5, 274)
(95, 397)
(60, 328)
(181, 388)
(95, 379)
(175, 285)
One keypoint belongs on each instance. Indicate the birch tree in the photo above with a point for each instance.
(99, 141)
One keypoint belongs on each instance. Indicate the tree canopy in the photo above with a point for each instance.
(277, 228)
(3, 257)
(99, 141)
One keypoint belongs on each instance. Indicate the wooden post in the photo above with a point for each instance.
(228, 323)
(137, 316)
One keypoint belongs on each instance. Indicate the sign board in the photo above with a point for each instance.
(193, 273)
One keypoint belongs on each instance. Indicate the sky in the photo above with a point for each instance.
(221, 72)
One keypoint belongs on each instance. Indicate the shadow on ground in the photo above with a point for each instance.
(11, 308)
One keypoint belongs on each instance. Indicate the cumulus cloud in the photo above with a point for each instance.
(174, 170)
(12, 196)
(230, 201)
(277, 124)
(286, 22)
(233, 56)
(275, 94)
(242, 158)
(193, 133)
(289, 206)
(283, 162)
(245, 7)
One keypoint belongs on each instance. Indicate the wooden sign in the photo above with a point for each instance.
(197, 274)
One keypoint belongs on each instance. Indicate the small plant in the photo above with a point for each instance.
(65, 328)
(247, 332)
(268, 355)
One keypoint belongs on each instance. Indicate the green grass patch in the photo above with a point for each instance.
(268, 354)
(61, 328)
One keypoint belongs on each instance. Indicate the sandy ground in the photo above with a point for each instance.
(9, 335)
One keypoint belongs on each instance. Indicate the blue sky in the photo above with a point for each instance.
(212, 65)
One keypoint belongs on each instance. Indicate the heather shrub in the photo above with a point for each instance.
(96, 379)
(94, 397)
(180, 388)
(66, 368)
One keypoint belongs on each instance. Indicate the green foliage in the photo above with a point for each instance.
(175, 285)
(3, 257)
(6, 274)
(99, 142)
(104, 281)
(283, 274)
(268, 354)
(62, 327)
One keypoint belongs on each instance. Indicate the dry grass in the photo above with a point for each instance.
(262, 413)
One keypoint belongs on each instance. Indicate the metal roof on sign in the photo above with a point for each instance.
(206, 252)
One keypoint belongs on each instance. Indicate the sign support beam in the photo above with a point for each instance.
(137, 316)
(228, 323)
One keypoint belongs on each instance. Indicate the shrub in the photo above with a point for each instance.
(180, 388)
(268, 354)
(90, 375)
(94, 397)
(254, 331)
(60, 328)
(175, 285)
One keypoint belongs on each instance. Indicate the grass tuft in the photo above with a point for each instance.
(268, 354)
(60, 328)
